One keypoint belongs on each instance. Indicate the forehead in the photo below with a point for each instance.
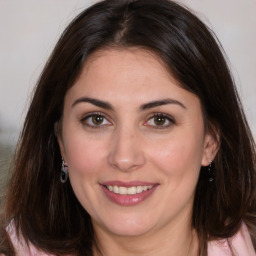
(125, 64)
(127, 58)
(126, 75)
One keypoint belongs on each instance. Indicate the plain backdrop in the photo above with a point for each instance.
(30, 29)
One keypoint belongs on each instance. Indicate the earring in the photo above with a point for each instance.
(210, 172)
(64, 172)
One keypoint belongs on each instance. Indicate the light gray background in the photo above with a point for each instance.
(30, 28)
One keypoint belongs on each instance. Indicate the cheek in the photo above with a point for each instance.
(84, 156)
(181, 156)
(85, 161)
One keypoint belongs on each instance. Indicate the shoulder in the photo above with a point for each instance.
(238, 245)
(19, 244)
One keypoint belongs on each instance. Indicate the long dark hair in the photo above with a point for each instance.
(47, 212)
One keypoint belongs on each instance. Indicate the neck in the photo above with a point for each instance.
(176, 241)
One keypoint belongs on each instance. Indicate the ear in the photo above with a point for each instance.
(211, 147)
(58, 134)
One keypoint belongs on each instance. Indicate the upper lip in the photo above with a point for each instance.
(128, 184)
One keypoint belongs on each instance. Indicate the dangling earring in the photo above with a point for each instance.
(210, 172)
(64, 172)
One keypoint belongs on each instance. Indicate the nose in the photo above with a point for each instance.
(126, 150)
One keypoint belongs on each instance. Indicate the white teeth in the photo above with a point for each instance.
(140, 189)
(122, 191)
(132, 191)
(128, 191)
(115, 189)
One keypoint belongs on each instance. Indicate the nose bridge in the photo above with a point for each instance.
(126, 149)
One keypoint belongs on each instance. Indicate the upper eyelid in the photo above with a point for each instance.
(161, 114)
(86, 117)
(89, 114)
(107, 116)
(170, 119)
(109, 119)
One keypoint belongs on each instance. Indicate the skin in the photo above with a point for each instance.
(130, 144)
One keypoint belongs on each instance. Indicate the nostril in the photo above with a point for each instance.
(126, 152)
(126, 162)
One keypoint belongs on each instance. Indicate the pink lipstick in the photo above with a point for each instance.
(128, 193)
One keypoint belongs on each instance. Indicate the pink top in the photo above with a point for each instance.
(240, 243)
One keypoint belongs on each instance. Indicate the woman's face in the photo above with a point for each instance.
(134, 141)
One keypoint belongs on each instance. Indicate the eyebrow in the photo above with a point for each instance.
(163, 102)
(149, 105)
(96, 102)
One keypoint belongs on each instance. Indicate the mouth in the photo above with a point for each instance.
(128, 194)
(128, 190)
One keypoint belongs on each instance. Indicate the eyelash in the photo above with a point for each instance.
(166, 117)
(85, 119)
(163, 116)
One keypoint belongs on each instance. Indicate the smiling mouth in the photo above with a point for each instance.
(128, 190)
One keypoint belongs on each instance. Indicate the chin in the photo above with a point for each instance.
(127, 227)
(129, 231)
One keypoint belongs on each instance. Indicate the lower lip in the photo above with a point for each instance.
(128, 200)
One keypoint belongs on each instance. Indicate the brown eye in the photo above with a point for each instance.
(97, 119)
(159, 120)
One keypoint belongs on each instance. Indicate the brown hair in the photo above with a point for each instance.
(47, 212)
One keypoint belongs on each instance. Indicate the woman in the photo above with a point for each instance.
(135, 143)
